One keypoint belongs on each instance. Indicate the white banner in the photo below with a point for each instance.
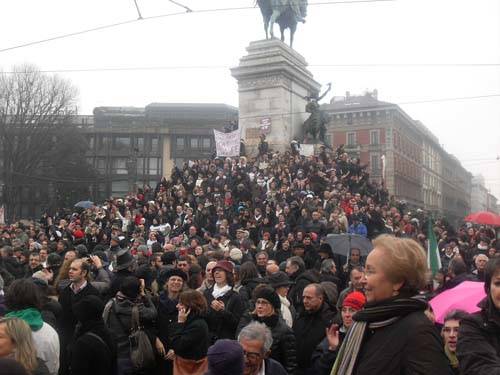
(227, 144)
(306, 150)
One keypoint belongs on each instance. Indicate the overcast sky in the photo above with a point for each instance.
(196, 51)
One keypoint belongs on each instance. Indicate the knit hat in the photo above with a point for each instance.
(225, 357)
(356, 300)
(225, 265)
(269, 295)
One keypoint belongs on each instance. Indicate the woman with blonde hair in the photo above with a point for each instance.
(392, 335)
(16, 342)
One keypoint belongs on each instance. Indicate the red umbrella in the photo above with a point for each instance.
(483, 217)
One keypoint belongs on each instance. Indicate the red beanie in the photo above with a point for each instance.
(356, 300)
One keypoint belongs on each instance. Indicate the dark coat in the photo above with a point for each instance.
(283, 349)
(478, 349)
(166, 319)
(411, 345)
(67, 299)
(89, 355)
(309, 329)
(190, 340)
(223, 324)
(274, 368)
(118, 319)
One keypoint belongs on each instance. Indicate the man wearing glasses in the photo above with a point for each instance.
(256, 341)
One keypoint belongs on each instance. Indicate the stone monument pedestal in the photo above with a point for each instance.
(273, 81)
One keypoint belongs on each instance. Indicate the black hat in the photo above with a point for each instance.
(279, 279)
(124, 260)
(270, 295)
(167, 273)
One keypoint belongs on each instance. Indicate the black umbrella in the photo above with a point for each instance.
(342, 244)
(84, 204)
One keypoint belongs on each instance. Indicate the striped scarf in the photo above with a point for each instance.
(374, 316)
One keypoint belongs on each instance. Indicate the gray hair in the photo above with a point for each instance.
(257, 331)
(327, 265)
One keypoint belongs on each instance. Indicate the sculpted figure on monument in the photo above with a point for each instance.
(286, 13)
(315, 125)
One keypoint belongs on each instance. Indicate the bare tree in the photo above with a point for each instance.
(35, 110)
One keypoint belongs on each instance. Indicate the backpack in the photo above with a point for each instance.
(141, 351)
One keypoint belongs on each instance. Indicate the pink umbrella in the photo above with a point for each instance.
(464, 296)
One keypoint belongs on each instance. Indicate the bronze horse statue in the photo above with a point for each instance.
(286, 13)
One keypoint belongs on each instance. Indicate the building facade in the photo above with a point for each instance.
(415, 168)
(370, 129)
(479, 194)
(132, 147)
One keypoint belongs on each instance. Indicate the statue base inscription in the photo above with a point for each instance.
(273, 84)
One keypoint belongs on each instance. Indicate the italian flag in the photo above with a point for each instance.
(433, 258)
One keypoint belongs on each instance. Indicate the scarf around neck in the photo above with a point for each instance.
(31, 316)
(374, 315)
(219, 292)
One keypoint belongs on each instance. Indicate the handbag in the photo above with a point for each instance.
(142, 355)
(141, 351)
(183, 366)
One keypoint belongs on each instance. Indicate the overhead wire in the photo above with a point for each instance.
(187, 11)
(199, 67)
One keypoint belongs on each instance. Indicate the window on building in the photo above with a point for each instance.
(90, 161)
(119, 188)
(121, 143)
(193, 142)
(376, 163)
(104, 142)
(91, 140)
(101, 165)
(349, 118)
(374, 137)
(154, 166)
(140, 166)
(139, 144)
(351, 139)
(119, 166)
(206, 143)
(155, 144)
(180, 143)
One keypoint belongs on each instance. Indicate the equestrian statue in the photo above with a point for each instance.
(286, 13)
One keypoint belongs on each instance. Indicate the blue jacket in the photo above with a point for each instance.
(359, 229)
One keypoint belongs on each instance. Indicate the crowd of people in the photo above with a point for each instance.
(223, 268)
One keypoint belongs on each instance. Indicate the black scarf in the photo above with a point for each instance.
(375, 315)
